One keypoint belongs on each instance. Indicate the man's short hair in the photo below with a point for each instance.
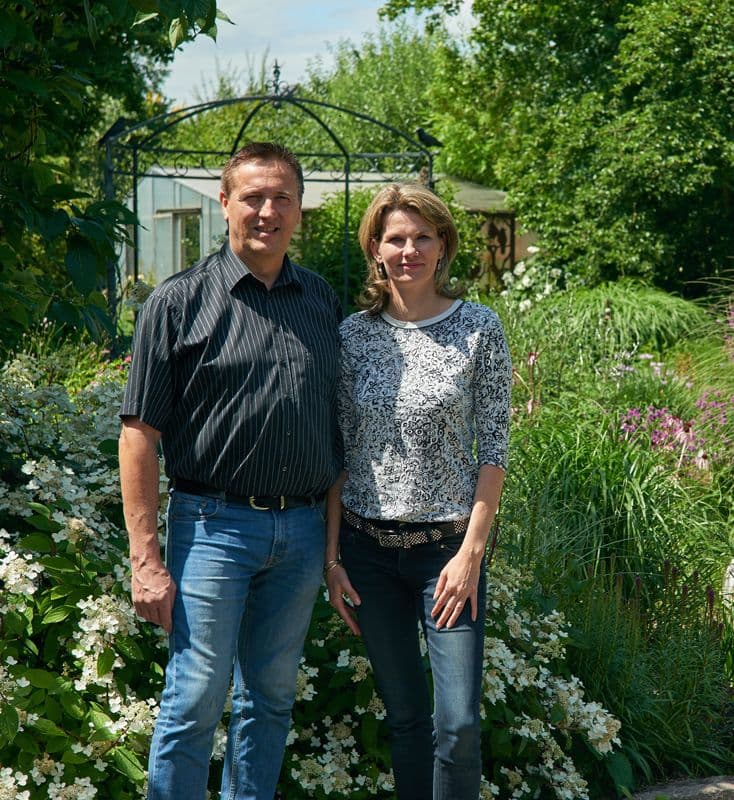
(262, 151)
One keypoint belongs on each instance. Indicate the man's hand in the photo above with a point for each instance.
(153, 594)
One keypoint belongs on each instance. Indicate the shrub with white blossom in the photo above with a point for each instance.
(80, 675)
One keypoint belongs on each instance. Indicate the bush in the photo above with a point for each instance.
(80, 676)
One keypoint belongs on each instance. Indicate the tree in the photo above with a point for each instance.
(609, 123)
(63, 66)
(387, 76)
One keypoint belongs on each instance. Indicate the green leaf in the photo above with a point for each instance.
(58, 614)
(98, 322)
(108, 447)
(369, 730)
(14, 624)
(90, 228)
(126, 762)
(620, 770)
(27, 743)
(500, 743)
(101, 724)
(42, 523)
(40, 678)
(364, 694)
(73, 704)
(49, 729)
(81, 263)
(91, 23)
(37, 542)
(58, 564)
(9, 722)
(58, 744)
(105, 660)
(64, 312)
(129, 648)
(53, 710)
(177, 31)
(557, 714)
(52, 224)
(41, 509)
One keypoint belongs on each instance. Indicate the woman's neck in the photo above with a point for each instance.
(408, 307)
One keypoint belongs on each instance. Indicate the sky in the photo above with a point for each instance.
(293, 32)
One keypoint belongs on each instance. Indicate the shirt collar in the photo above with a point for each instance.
(234, 270)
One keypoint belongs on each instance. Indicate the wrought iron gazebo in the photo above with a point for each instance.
(133, 150)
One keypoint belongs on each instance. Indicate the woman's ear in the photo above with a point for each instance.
(375, 250)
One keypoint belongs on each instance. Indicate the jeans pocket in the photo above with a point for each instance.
(185, 506)
(321, 510)
(450, 544)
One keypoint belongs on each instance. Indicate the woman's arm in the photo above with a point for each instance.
(337, 580)
(459, 579)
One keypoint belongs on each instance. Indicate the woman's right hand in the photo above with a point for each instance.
(343, 597)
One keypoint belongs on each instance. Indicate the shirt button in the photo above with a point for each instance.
(285, 469)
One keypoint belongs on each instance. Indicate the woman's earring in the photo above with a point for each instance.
(442, 269)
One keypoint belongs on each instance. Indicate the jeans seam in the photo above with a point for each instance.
(235, 764)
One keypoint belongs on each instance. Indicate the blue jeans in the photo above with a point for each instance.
(437, 758)
(247, 581)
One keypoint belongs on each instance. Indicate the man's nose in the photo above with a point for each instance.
(267, 207)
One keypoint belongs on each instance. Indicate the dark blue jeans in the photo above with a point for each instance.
(437, 757)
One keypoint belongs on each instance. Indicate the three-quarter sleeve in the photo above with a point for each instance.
(492, 387)
(347, 412)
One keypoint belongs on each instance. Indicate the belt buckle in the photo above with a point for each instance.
(254, 505)
(281, 502)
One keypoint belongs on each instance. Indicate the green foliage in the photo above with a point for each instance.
(609, 124)
(63, 67)
(80, 675)
(659, 665)
(628, 521)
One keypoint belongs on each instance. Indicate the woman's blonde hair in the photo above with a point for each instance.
(420, 199)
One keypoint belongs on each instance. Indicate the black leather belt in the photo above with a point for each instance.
(259, 502)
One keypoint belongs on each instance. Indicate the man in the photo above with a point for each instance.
(234, 373)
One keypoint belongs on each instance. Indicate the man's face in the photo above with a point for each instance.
(263, 209)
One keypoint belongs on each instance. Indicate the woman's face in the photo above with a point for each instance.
(409, 249)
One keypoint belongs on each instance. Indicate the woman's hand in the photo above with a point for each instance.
(457, 582)
(343, 597)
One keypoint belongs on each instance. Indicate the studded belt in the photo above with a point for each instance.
(404, 534)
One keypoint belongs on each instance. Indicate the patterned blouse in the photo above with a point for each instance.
(421, 406)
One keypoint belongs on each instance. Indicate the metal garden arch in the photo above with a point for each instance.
(130, 151)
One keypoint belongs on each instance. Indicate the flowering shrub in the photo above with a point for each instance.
(530, 281)
(693, 445)
(80, 675)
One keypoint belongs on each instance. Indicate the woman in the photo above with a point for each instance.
(424, 412)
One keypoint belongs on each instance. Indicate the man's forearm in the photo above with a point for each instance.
(139, 481)
(153, 590)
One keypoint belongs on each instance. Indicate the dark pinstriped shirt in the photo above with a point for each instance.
(241, 381)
